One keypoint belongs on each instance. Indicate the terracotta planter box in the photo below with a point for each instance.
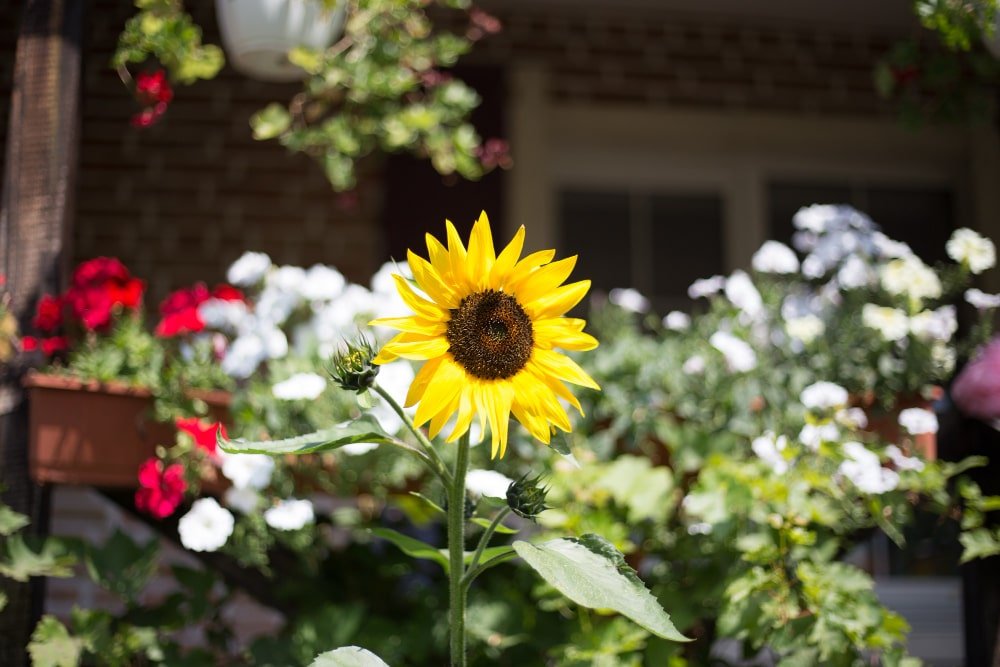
(96, 434)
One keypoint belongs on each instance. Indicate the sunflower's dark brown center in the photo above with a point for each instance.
(490, 335)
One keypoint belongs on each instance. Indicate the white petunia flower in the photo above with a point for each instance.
(251, 348)
(488, 483)
(909, 276)
(768, 448)
(852, 418)
(695, 365)
(301, 386)
(815, 218)
(813, 435)
(740, 357)
(322, 283)
(931, 325)
(892, 323)
(865, 471)
(247, 471)
(918, 420)
(823, 396)
(276, 304)
(775, 257)
(223, 314)
(290, 514)
(629, 299)
(968, 248)
(805, 329)
(901, 461)
(981, 300)
(249, 269)
(242, 499)
(855, 273)
(705, 287)
(675, 320)
(814, 267)
(206, 526)
(741, 291)
(888, 248)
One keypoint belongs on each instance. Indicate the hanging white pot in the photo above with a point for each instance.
(258, 34)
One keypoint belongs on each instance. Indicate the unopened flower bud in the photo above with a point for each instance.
(353, 368)
(526, 497)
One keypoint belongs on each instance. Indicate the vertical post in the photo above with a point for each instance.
(36, 211)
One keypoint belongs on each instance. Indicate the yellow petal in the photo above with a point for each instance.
(549, 363)
(457, 259)
(420, 305)
(507, 259)
(562, 332)
(558, 301)
(498, 397)
(466, 410)
(412, 325)
(529, 264)
(481, 254)
(407, 348)
(442, 388)
(438, 254)
(542, 281)
(430, 282)
(420, 382)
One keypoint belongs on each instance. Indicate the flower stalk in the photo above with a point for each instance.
(457, 592)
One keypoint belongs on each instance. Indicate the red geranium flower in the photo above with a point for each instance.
(99, 271)
(29, 344)
(49, 313)
(180, 308)
(91, 305)
(152, 88)
(54, 345)
(204, 433)
(160, 490)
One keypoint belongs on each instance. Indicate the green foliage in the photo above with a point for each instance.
(22, 558)
(363, 429)
(592, 573)
(162, 30)
(960, 23)
(52, 646)
(348, 656)
(121, 565)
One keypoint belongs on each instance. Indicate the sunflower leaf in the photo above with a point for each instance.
(485, 523)
(364, 429)
(348, 656)
(592, 573)
(411, 546)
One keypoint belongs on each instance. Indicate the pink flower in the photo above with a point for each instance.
(30, 344)
(160, 489)
(976, 391)
(205, 434)
(152, 88)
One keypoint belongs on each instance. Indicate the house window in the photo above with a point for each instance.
(656, 242)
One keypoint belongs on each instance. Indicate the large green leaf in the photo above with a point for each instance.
(11, 521)
(122, 565)
(364, 429)
(21, 562)
(52, 646)
(592, 573)
(979, 543)
(348, 656)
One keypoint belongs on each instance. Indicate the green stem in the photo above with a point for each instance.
(437, 465)
(482, 567)
(456, 554)
(485, 540)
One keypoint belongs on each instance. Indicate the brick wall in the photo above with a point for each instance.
(179, 201)
(644, 56)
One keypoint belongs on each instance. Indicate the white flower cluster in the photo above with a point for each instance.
(330, 309)
(974, 252)
(864, 469)
(823, 396)
(894, 324)
(769, 449)
(918, 420)
(909, 276)
(739, 356)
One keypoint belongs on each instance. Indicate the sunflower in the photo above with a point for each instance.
(487, 326)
